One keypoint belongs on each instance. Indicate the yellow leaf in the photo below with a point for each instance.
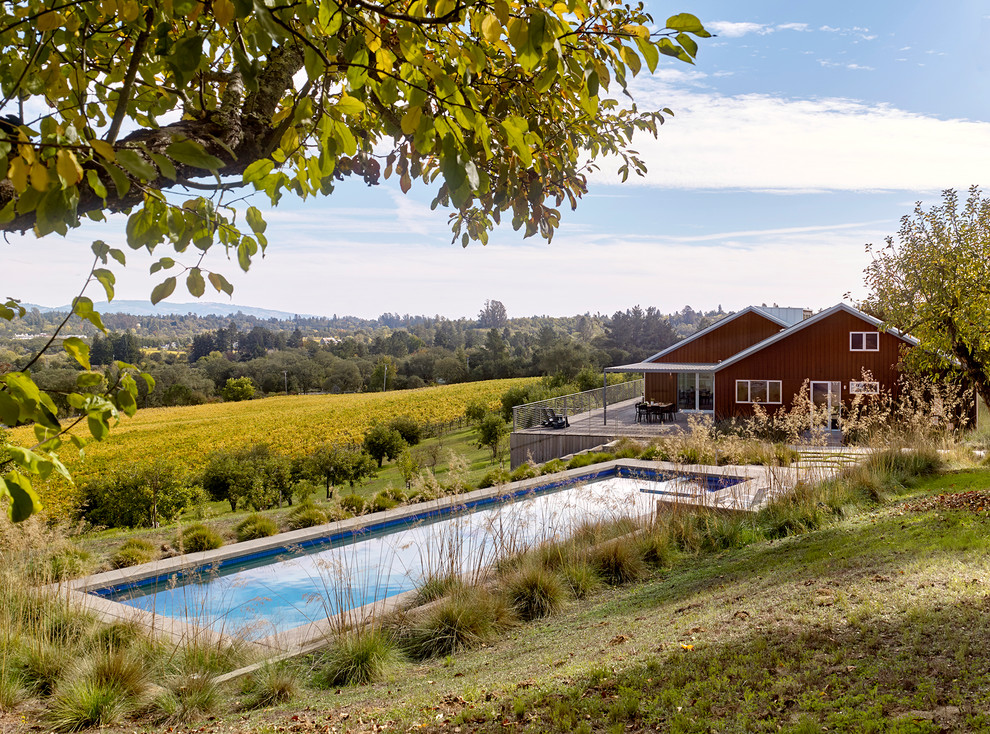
(410, 120)
(104, 149)
(18, 174)
(131, 11)
(27, 153)
(49, 21)
(223, 11)
(687, 647)
(372, 41)
(640, 31)
(491, 28)
(69, 170)
(39, 177)
(560, 9)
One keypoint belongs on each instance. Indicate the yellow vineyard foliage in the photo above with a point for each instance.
(292, 425)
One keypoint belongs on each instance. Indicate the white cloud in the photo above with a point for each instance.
(761, 142)
(730, 29)
(793, 27)
(829, 29)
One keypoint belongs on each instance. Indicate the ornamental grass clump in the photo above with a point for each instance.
(618, 561)
(580, 578)
(534, 591)
(306, 515)
(132, 552)
(84, 703)
(255, 526)
(270, 686)
(467, 617)
(187, 697)
(197, 537)
(357, 657)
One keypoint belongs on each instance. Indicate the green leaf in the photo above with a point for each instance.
(99, 425)
(88, 379)
(220, 283)
(120, 180)
(24, 500)
(191, 153)
(515, 132)
(164, 165)
(195, 283)
(650, 53)
(136, 165)
(164, 263)
(10, 409)
(187, 54)
(83, 308)
(78, 350)
(107, 280)
(688, 43)
(255, 220)
(30, 461)
(93, 178)
(349, 105)
(685, 22)
(258, 170)
(118, 255)
(162, 291)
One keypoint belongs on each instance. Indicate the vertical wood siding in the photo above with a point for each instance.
(817, 352)
(725, 341)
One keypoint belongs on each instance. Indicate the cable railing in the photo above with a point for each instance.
(539, 413)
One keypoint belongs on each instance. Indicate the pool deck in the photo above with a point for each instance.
(759, 484)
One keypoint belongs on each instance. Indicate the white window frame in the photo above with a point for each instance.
(864, 388)
(780, 392)
(864, 334)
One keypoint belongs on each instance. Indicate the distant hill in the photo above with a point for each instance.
(144, 308)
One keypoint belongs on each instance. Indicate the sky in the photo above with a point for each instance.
(804, 132)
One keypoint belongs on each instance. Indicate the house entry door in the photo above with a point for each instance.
(826, 404)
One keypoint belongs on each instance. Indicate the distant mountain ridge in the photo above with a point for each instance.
(144, 308)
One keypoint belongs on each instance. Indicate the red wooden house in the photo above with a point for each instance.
(764, 355)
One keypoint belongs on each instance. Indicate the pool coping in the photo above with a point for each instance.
(758, 484)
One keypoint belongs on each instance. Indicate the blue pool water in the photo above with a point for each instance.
(256, 597)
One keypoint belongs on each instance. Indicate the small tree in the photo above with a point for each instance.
(137, 497)
(410, 429)
(491, 430)
(238, 388)
(334, 464)
(228, 477)
(382, 442)
(933, 284)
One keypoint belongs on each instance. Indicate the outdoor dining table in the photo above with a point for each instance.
(653, 412)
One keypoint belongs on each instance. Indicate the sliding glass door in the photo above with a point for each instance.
(696, 391)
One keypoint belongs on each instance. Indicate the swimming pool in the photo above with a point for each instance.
(261, 594)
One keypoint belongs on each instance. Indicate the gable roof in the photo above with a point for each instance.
(820, 316)
(718, 324)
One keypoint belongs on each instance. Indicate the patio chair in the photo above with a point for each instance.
(642, 411)
(554, 419)
(668, 412)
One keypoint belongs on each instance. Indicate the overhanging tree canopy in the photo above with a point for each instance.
(170, 110)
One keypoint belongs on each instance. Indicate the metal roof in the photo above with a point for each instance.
(783, 334)
(718, 324)
(662, 367)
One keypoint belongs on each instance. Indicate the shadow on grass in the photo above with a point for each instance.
(919, 669)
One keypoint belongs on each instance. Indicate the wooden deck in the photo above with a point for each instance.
(587, 430)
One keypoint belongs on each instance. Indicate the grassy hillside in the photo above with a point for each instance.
(875, 623)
